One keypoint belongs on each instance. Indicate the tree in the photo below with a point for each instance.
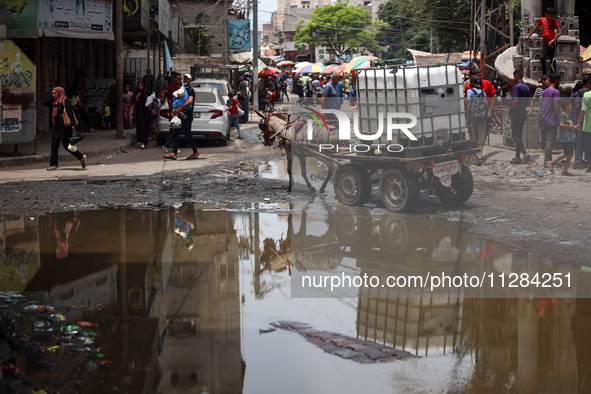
(346, 29)
(201, 36)
(447, 21)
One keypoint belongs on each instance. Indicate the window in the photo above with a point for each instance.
(204, 97)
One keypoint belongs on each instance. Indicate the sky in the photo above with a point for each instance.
(266, 7)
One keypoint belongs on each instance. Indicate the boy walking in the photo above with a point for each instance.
(537, 99)
(476, 114)
(550, 28)
(566, 138)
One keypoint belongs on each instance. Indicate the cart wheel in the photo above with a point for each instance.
(352, 185)
(399, 190)
(353, 228)
(394, 235)
(460, 190)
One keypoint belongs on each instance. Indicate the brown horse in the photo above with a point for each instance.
(292, 137)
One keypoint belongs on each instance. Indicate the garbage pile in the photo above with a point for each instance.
(38, 337)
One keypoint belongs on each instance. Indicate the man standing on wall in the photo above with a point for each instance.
(550, 28)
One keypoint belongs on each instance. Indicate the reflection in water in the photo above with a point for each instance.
(182, 294)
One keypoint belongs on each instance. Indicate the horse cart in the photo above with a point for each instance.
(409, 134)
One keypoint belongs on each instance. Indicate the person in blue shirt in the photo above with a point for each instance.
(340, 87)
(518, 114)
(330, 97)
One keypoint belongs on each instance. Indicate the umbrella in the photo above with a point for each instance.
(330, 69)
(336, 68)
(301, 65)
(468, 55)
(359, 62)
(269, 71)
(311, 69)
(286, 63)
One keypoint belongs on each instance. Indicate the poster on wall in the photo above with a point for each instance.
(21, 18)
(239, 35)
(97, 91)
(76, 19)
(17, 100)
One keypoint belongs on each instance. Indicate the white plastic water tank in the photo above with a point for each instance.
(434, 94)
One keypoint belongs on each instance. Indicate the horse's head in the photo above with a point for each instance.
(270, 125)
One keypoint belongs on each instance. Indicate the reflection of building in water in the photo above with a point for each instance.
(19, 252)
(200, 308)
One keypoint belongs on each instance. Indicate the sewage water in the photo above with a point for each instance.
(183, 299)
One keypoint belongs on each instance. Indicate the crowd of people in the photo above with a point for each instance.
(308, 88)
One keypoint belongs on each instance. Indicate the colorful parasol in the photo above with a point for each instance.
(269, 71)
(311, 69)
(468, 55)
(359, 62)
(330, 69)
(286, 63)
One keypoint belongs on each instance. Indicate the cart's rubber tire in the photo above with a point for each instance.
(461, 188)
(399, 190)
(394, 235)
(353, 228)
(352, 185)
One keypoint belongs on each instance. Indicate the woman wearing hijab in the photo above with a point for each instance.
(60, 133)
(142, 115)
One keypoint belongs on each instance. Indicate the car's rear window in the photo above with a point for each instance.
(217, 86)
(204, 98)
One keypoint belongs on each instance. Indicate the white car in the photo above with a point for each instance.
(220, 84)
(211, 118)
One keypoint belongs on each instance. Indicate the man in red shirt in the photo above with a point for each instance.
(549, 25)
(273, 96)
(488, 88)
(174, 86)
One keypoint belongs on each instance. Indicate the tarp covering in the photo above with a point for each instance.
(422, 58)
(246, 58)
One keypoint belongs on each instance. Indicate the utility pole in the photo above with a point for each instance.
(255, 55)
(482, 35)
(511, 37)
(431, 40)
(226, 34)
(119, 65)
(402, 37)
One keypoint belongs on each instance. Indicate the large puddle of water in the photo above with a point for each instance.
(184, 297)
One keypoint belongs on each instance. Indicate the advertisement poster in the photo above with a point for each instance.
(136, 14)
(76, 19)
(17, 109)
(239, 35)
(21, 17)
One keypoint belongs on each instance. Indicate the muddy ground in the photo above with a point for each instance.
(548, 216)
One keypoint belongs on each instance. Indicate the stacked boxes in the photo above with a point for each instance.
(567, 54)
